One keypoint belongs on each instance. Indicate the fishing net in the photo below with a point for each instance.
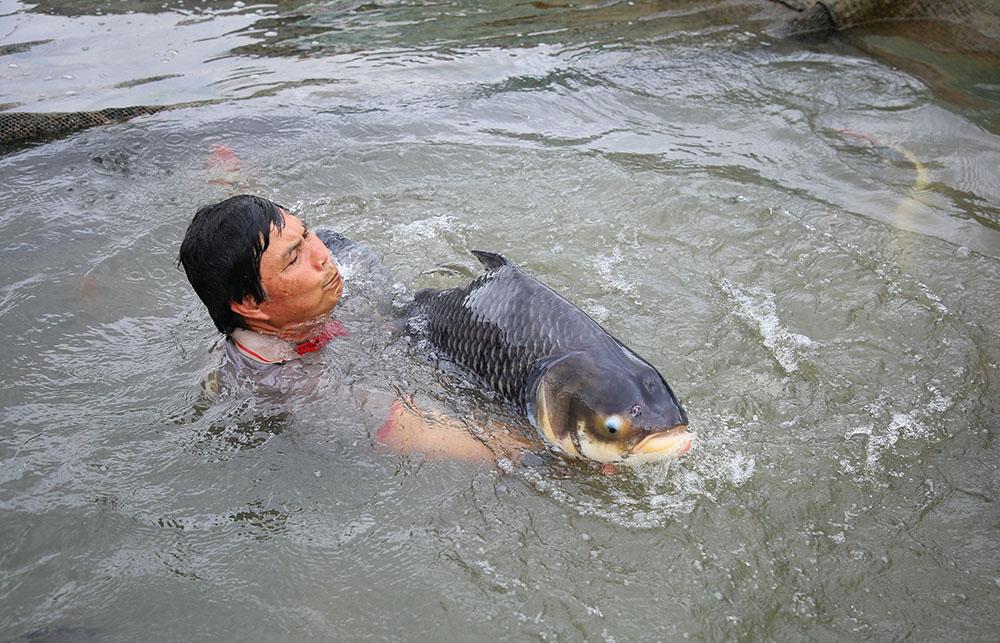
(17, 128)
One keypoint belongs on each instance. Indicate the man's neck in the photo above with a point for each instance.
(265, 348)
(295, 334)
(271, 348)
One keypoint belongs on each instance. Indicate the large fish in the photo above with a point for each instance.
(589, 395)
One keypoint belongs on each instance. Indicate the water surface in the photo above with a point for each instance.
(803, 237)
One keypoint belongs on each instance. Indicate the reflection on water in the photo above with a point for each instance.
(228, 433)
(803, 236)
(958, 63)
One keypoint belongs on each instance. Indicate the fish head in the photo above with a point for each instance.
(615, 408)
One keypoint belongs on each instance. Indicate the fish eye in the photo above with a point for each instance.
(613, 424)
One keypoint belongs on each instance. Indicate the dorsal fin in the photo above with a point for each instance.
(491, 260)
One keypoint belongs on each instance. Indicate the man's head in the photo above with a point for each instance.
(256, 266)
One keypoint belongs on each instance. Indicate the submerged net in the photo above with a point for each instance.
(17, 128)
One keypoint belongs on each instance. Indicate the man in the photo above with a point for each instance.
(268, 282)
(270, 285)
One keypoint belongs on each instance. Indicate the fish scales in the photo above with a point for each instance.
(502, 324)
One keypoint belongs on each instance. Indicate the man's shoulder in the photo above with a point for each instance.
(265, 373)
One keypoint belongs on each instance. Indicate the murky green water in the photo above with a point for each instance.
(803, 237)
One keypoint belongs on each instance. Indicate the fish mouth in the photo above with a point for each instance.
(669, 443)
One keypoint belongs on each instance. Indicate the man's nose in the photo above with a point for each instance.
(321, 256)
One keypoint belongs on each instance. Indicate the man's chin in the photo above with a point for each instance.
(333, 300)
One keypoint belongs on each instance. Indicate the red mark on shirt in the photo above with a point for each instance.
(330, 330)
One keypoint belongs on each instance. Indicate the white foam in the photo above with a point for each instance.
(655, 494)
(598, 313)
(741, 467)
(608, 264)
(607, 267)
(913, 424)
(430, 227)
(756, 307)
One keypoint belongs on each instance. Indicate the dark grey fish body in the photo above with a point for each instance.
(541, 352)
(503, 324)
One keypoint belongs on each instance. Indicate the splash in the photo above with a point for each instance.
(920, 423)
(607, 267)
(429, 228)
(608, 264)
(756, 307)
(654, 495)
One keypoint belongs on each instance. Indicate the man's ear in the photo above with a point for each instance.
(248, 308)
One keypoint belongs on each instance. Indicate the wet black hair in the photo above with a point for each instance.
(221, 254)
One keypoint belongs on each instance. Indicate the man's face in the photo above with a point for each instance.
(299, 278)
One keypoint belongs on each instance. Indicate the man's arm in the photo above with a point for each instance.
(409, 430)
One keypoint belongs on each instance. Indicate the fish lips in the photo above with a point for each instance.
(659, 445)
